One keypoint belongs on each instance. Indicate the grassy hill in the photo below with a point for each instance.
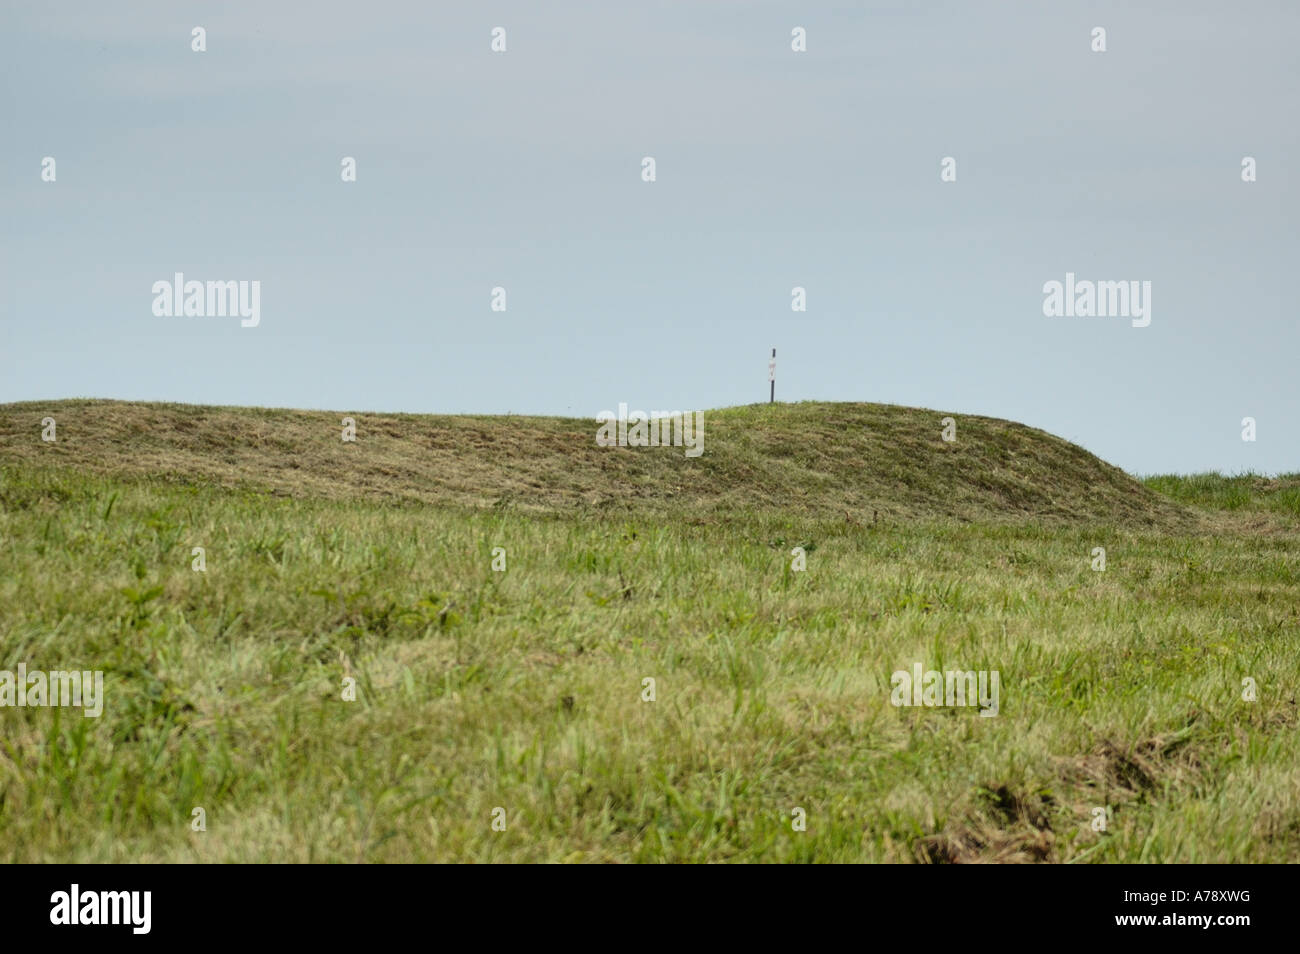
(810, 459)
(499, 591)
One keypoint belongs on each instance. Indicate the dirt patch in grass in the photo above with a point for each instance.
(1008, 826)
(1005, 827)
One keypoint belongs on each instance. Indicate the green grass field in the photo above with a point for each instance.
(523, 690)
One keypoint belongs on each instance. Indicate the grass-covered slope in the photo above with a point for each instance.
(523, 689)
(810, 459)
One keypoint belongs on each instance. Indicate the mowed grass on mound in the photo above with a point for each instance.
(862, 461)
(523, 691)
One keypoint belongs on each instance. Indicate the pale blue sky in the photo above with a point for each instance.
(775, 169)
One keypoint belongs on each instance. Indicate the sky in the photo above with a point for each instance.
(774, 169)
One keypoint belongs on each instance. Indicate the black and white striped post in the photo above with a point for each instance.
(771, 377)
